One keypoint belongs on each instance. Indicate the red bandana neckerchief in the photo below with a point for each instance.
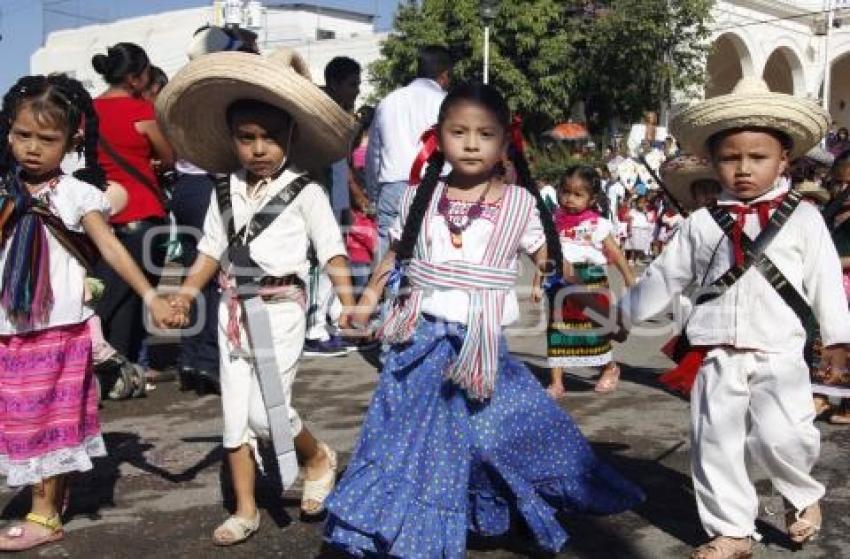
(740, 212)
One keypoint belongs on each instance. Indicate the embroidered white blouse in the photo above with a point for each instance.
(750, 315)
(281, 249)
(453, 304)
(70, 199)
(583, 244)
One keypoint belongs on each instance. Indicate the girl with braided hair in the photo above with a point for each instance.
(588, 243)
(53, 226)
(460, 436)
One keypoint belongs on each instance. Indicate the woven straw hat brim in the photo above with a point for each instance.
(803, 120)
(813, 190)
(679, 176)
(192, 110)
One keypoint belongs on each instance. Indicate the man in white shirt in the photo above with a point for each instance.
(400, 119)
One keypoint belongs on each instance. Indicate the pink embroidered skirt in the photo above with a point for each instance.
(48, 404)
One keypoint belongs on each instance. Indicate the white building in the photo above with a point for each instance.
(787, 42)
(318, 33)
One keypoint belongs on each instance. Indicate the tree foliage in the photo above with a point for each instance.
(547, 54)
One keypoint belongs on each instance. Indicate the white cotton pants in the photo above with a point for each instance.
(323, 303)
(244, 412)
(758, 406)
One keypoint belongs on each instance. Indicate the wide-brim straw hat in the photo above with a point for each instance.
(811, 189)
(751, 105)
(681, 172)
(192, 109)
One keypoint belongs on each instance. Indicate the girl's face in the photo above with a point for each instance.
(574, 195)
(749, 162)
(37, 145)
(473, 140)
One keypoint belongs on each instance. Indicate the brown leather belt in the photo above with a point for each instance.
(282, 281)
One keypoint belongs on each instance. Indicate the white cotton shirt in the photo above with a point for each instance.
(400, 119)
(281, 249)
(750, 315)
(70, 199)
(453, 304)
(583, 244)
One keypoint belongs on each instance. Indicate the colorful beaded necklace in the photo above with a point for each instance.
(457, 224)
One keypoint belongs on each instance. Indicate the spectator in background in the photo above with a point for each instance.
(400, 119)
(342, 84)
(130, 139)
(648, 131)
(841, 143)
(361, 239)
(158, 80)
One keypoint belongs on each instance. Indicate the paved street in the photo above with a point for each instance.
(159, 492)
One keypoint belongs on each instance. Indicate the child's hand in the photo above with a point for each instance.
(833, 362)
(536, 293)
(161, 312)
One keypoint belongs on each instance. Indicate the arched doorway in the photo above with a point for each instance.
(839, 91)
(784, 73)
(728, 61)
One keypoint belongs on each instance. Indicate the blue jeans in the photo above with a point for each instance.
(389, 202)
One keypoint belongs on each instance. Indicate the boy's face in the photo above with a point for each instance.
(749, 162)
(261, 139)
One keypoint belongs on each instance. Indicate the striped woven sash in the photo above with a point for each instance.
(487, 282)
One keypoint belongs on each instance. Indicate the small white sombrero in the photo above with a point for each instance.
(192, 108)
(681, 172)
(751, 104)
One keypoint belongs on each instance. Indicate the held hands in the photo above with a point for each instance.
(169, 312)
(833, 364)
(162, 313)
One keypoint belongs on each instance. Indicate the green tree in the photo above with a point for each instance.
(547, 54)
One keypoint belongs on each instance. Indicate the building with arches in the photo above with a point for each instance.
(792, 44)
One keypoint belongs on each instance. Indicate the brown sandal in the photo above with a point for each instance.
(724, 547)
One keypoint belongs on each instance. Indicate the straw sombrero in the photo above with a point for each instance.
(751, 104)
(681, 172)
(192, 108)
(811, 189)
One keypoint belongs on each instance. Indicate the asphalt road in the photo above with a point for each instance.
(159, 493)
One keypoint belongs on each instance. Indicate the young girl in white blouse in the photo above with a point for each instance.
(53, 227)
(588, 243)
(460, 436)
(751, 393)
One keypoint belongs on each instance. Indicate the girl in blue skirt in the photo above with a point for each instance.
(459, 435)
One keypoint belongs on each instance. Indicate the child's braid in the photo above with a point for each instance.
(419, 206)
(92, 172)
(553, 243)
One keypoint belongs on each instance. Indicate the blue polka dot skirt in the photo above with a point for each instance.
(431, 464)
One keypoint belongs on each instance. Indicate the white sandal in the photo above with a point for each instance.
(317, 490)
(239, 529)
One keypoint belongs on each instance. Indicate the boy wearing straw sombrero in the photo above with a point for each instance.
(259, 121)
(764, 262)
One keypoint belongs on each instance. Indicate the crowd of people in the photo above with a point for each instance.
(309, 228)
